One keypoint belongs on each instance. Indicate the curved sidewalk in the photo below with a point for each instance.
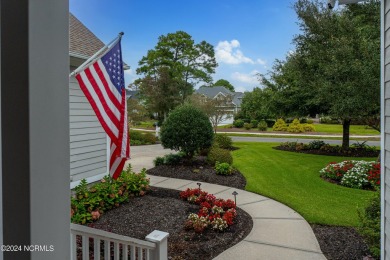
(278, 231)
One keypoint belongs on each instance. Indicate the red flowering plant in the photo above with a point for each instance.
(336, 171)
(217, 214)
(374, 175)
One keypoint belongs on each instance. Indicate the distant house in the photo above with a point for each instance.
(219, 91)
(88, 140)
(132, 94)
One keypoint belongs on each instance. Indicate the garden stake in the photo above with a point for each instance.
(199, 185)
(235, 193)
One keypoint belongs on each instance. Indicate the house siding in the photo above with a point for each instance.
(88, 141)
(385, 50)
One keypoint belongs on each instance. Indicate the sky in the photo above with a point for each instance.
(247, 35)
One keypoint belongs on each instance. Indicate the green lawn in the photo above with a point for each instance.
(338, 129)
(361, 139)
(293, 179)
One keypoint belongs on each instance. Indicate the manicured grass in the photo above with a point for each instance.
(293, 179)
(338, 129)
(146, 124)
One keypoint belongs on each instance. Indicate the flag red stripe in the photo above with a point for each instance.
(102, 100)
(112, 97)
(95, 108)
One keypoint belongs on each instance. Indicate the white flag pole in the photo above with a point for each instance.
(81, 67)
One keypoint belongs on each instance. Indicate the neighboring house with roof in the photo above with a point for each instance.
(132, 94)
(88, 140)
(221, 92)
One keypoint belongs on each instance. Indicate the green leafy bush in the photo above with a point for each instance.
(280, 125)
(370, 224)
(223, 141)
(158, 161)
(88, 203)
(310, 121)
(139, 138)
(295, 127)
(316, 144)
(303, 120)
(169, 159)
(329, 120)
(262, 125)
(223, 168)
(254, 123)
(308, 128)
(270, 122)
(187, 129)
(219, 155)
(238, 123)
(248, 126)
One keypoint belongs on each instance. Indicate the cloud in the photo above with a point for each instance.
(261, 62)
(248, 78)
(228, 52)
(240, 89)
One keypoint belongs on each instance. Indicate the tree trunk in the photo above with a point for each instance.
(346, 125)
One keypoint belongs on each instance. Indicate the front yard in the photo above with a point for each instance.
(293, 179)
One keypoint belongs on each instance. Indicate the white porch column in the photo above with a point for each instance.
(35, 129)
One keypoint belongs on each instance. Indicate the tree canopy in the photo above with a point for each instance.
(178, 59)
(335, 68)
(224, 83)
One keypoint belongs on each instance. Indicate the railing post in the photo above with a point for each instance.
(160, 238)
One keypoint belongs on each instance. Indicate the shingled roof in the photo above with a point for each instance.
(82, 42)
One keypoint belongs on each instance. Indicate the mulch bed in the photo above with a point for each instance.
(162, 209)
(341, 243)
(352, 152)
(199, 170)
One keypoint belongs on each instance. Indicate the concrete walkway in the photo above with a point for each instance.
(278, 231)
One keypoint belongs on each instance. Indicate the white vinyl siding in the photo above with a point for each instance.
(88, 141)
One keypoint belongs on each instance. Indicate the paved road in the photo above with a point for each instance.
(305, 141)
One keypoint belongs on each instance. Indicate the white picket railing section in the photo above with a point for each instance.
(115, 246)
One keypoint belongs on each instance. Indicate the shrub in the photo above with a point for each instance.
(139, 138)
(187, 129)
(370, 226)
(173, 159)
(169, 159)
(289, 120)
(310, 121)
(270, 122)
(316, 144)
(238, 123)
(295, 127)
(149, 138)
(219, 155)
(248, 126)
(290, 145)
(303, 120)
(223, 168)
(254, 123)
(89, 203)
(158, 161)
(329, 120)
(262, 126)
(308, 128)
(280, 125)
(223, 141)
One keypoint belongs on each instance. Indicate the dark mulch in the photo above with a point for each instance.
(341, 243)
(162, 209)
(199, 170)
(351, 152)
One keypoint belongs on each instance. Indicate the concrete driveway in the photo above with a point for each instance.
(142, 156)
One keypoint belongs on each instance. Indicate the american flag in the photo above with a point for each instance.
(103, 85)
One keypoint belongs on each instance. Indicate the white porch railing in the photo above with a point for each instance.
(86, 243)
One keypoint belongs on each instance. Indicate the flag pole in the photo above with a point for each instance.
(96, 55)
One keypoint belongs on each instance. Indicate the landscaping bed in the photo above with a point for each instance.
(341, 242)
(327, 149)
(199, 170)
(162, 209)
